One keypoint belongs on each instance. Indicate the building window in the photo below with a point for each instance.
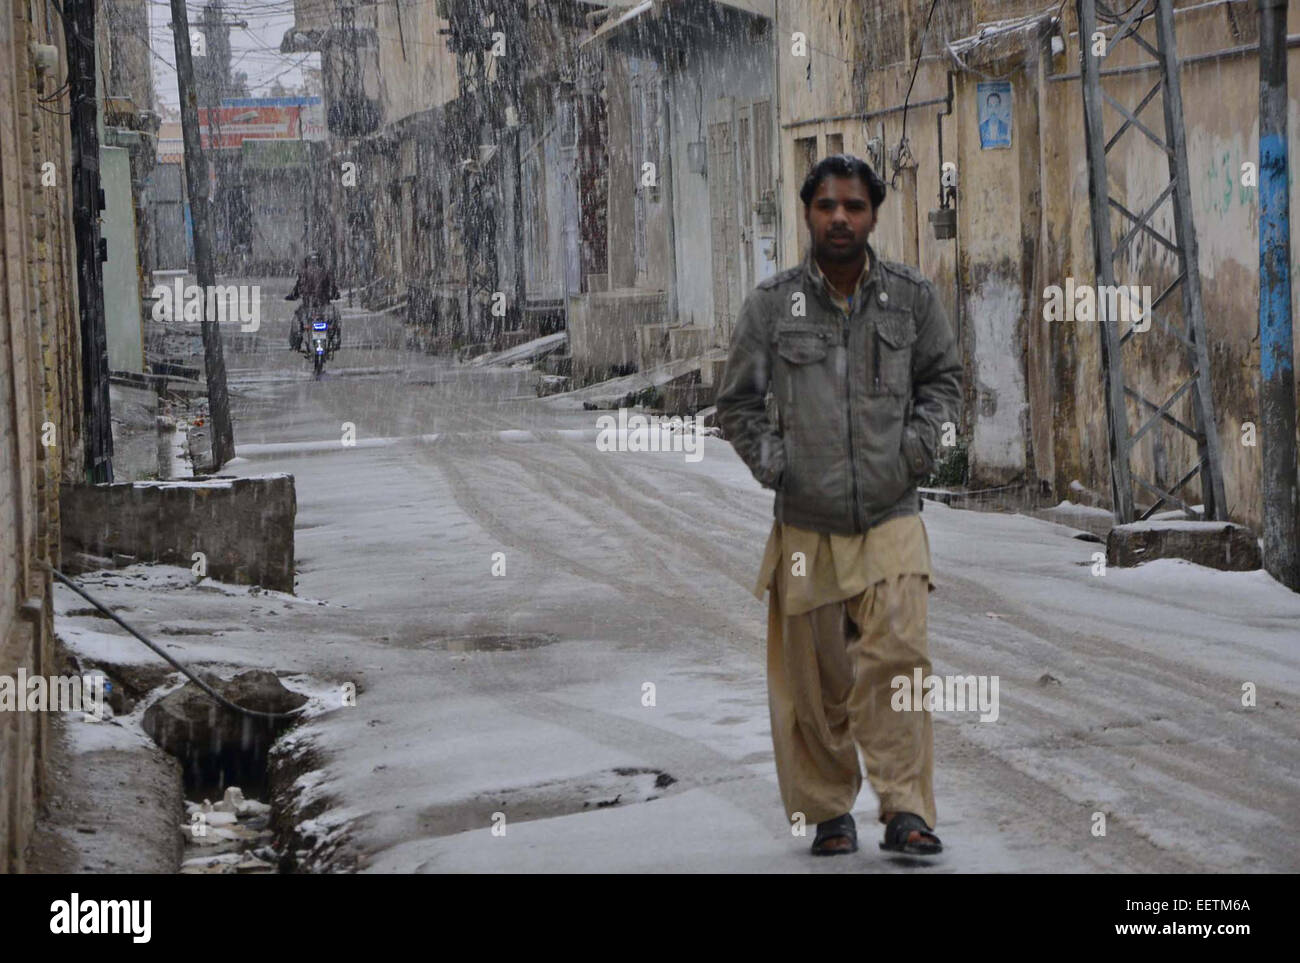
(805, 154)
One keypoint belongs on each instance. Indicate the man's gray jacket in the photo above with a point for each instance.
(861, 398)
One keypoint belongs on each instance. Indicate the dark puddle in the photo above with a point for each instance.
(563, 797)
(494, 643)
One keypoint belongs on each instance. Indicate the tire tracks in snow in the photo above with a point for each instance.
(509, 527)
(1209, 772)
(1163, 773)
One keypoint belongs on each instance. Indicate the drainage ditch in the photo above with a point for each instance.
(241, 809)
(228, 817)
(251, 784)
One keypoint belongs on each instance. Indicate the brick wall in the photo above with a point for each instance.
(40, 386)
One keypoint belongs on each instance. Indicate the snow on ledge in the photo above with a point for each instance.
(1174, 525)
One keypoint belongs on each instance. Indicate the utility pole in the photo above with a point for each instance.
(308, 187)
(517, 225)
(87, 202)
(210, 89)
(512, 15)
(352, 75)
(1276, 370)
(196, 180)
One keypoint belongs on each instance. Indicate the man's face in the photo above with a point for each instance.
(839, 218)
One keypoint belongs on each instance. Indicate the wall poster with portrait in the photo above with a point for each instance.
(994, 99)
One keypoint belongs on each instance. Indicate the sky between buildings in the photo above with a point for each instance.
(255, 49)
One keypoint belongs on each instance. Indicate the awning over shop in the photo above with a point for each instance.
(636, 9)
(619, 21)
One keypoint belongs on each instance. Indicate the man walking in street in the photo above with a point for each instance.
(864, 372)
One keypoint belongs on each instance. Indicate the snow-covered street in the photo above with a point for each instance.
(524, 693)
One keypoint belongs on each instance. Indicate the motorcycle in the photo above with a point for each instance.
(321, 341)
(319, 347)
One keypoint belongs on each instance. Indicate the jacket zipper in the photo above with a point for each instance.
(875, 361)
(848, 414)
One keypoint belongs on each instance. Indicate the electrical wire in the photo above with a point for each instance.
(260, 55)
(286, 70)
(55, 94)
(1107, 15)
(255, 713)
(902, 141)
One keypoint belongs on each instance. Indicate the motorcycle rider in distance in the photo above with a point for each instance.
(315, 286)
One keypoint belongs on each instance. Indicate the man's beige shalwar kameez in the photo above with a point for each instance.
(846, 615)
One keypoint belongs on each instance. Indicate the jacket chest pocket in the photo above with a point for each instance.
(801, 346)
(891, 367)
(801, 372)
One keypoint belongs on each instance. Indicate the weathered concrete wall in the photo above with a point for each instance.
(122, 315)
(277, 207)
(622, 176)
(129, 104)
(244, 526)
(640, 255)
(129, 73)
(315, 14)
(166, 200)
(415, 69)
(602, 327)
(817, 85)
(377, 183)
(40, 390)
(1035, 408)
(1221, 102)
(859, 60)
(996, 229)
(409, 72)
(548, 172)
(720, 78)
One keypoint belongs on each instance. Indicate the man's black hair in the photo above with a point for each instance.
(843, 165)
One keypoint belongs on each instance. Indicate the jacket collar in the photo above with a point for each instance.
(813, 275)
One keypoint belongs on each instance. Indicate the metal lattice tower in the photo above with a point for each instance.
(1188, 337)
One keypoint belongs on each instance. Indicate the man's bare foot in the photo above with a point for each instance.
(836, 844)
(836, 836)
(911, 835)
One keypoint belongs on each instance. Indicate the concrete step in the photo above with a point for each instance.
(684, 397)
(1221, 545)
(712, 366)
